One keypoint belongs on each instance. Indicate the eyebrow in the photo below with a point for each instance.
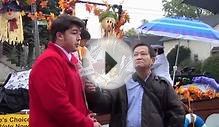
(75, 30)
(140, 51)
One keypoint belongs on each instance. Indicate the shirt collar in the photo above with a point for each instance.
(132, 84)
(68, 55)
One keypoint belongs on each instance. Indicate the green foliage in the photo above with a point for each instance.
(184, 53)
(177, 8)
(131, 32)
(196, 65)
(52, 7)
(211, 66)
(105, 14)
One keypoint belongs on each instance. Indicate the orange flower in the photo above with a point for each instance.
(63, 4)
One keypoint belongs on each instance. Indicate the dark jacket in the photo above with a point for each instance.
(115, 102)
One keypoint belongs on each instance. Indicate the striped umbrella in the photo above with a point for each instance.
(181, 28)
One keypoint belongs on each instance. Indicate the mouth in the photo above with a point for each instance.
(76, 46)
(139, 61)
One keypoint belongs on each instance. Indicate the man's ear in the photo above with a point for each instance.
(59, 36)
(153, 60)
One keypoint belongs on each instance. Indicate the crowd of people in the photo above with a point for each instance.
(61, 97)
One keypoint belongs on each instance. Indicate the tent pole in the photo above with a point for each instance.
(139, 36)
(175, 66)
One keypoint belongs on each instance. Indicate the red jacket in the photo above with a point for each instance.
(56, 93)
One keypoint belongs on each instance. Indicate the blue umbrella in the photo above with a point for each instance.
(181, 28)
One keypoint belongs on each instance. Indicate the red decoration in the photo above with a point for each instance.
(13, 24)
(89, 7)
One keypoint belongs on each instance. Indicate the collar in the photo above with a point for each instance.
(68, 55)
(132, 83)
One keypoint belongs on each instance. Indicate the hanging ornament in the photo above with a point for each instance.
(108, 20)
(11, 27)
(89, 7)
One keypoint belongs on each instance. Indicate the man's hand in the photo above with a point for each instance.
(92, 117)
(97, 124)
(90, 87)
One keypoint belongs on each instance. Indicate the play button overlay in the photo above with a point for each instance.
(111, 61)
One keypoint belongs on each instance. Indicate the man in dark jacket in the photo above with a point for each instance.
(145, 100)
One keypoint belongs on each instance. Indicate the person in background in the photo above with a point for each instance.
(83, 54)
(145, 100)
(85, 37)
(161, 64)
(55, 88)
(82, 49)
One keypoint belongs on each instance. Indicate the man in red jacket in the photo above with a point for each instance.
(55, 87)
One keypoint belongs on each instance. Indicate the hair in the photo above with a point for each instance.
(63, 23)
(85, 35)
(160, 51)
(150, 49)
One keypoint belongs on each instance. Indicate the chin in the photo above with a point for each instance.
(73, 50)
(139, 66)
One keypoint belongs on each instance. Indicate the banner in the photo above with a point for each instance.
(14, 120)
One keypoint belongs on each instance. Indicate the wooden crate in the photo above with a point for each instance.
(204, 108)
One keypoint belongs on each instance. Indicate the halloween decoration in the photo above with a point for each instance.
(11, 29)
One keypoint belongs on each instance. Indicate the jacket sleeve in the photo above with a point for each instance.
(100, 101)
(174, 113)
(53, 95)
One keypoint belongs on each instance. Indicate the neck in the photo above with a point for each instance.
(142, 73)
(61, 45)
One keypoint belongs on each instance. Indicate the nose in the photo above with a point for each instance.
(138, 57)
(78, 38)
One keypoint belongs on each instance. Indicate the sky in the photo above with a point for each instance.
(137, 10)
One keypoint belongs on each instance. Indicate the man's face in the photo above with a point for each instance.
(142, 58)
(71, 38)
